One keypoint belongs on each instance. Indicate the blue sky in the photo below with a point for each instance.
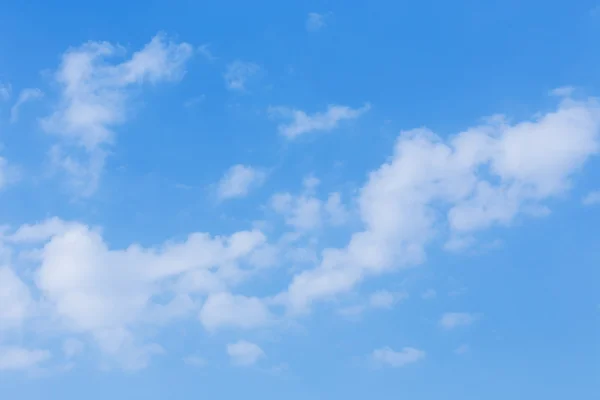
(317, 199)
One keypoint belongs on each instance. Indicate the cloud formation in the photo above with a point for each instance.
(238, 181)
(396, 359)
(244, 354)
(25, 96)
(315, 22)
(95, 99)
(300, 123)
(238, 74)
(485, 176)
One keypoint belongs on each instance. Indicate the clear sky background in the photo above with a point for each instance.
(299, 200)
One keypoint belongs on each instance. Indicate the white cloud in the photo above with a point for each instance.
(108, 295)
(305, 212)
(301, 212)
(315, 22)
(94, 99)
(454, 320)
(238, 181)
(238, 73)
(227, 310)
(40, 232)
(16, 358)
(244, 353)
(591, 198)
(25, 96)
(301, 123)
(387, 356)
(485, 176)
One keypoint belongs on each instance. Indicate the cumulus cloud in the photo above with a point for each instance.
(115, 298)
(25, 96)
(108, 295)
(94, 99)
(454, 320)
(244, 354)
(300, 123)
(238, 73)
(238, 181)
(305, 211)
(485, 176)
(396, 359)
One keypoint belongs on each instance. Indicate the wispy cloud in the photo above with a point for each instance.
(204, 50)
(387, 357)
(239, 180)
(315, 21)
(5, 91)
(454, 320)
(94, 100)
(25, 96)
(301, 123)
(238, 73)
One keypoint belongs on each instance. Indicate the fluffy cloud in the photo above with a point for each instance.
(238, 181)
(109, 295)
(238, 73)
(454, 320)
(305, 212)
(301, 123)
(25, 96)
(388, 357)
(244, 353)
(485, 176)
(94, 99)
